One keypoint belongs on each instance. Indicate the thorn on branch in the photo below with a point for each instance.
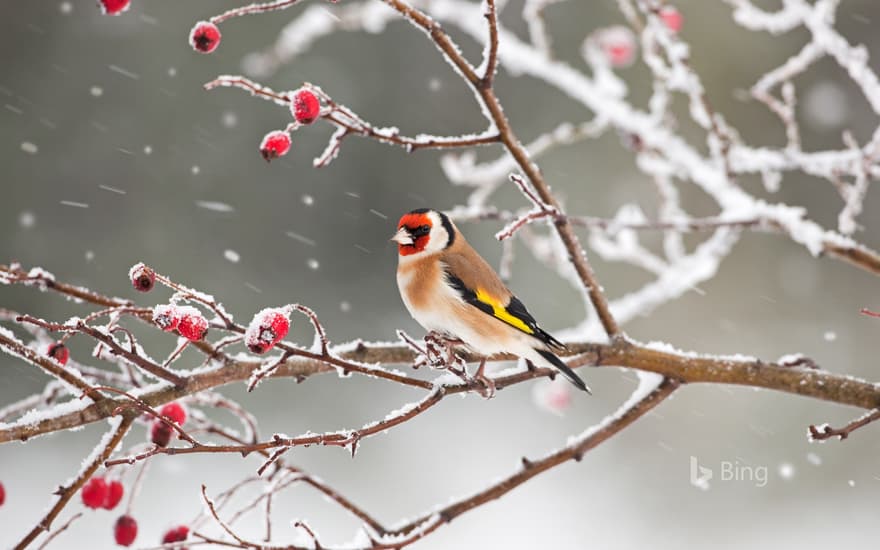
(301, 524)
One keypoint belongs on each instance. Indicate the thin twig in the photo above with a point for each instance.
(824, 432)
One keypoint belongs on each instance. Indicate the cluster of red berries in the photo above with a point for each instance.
(618, 43)
(113, 7)
(98, 493)
(267, 328)
(186, 320)
(161, 432)
(306, 108)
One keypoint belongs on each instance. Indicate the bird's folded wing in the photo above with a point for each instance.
(513, 313)
(478, 285)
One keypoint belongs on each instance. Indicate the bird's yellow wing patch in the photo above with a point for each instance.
(501, 313)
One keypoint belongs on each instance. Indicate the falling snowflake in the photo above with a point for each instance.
(27, 219)
(786, 471)
(231, 255)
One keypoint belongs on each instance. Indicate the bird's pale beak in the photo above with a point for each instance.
(402, 237)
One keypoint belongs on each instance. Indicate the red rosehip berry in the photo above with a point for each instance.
(176, 534)
(142, 278)
(618, 44)
(94, 493)
(266, 329)
(192, 325)
(125, 531)
(113, 7)
(58, 352)
(115, 490)
(204, 37)
(166, 317)
(305, 107)
(672, 18)
(275, 144)
(2, 493)
(160, 433)
(175, 412)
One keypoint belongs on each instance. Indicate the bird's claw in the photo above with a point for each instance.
(488, 389)
(488, 386)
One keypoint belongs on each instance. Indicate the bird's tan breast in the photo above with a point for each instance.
(419, 282)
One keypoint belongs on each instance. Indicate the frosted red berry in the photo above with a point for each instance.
(142, 278)
(166, 317)
(305, 107)
(175, 412)
(115, 491)
(267, 328)
(160, 433)
(204, 37)
(672, 18)
(275, 144)
(2, 494)
(176, 534)
(94, 493)
(113, 7)
(125, 531)
(192, 325)
(618, 44)
(59, 352)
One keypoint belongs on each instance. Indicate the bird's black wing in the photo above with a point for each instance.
(513, 313)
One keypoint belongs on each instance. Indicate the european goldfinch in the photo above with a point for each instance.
(451, 290)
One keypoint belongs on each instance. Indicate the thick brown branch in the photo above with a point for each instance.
(687, 368)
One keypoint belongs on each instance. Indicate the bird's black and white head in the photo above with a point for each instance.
(423, 232)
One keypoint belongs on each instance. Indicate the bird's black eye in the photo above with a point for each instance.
(421, 231)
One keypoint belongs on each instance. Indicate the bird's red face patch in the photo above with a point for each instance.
(418, 227)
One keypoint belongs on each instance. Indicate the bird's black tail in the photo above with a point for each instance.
(564, 369)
